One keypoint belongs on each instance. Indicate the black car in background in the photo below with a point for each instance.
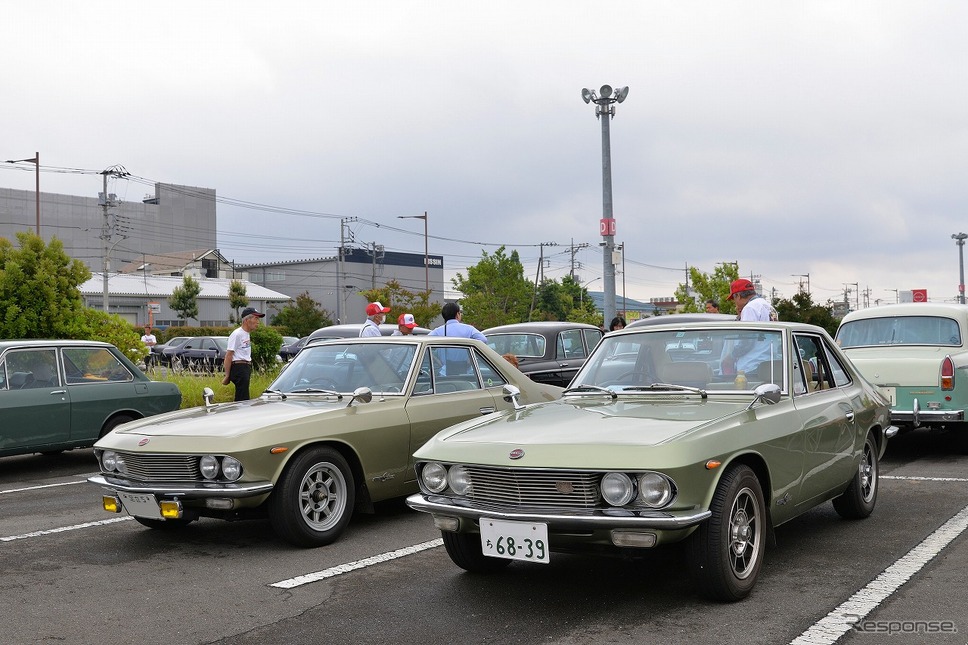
(548, 352)
(161, 353)
(352, 330)
(201, 353)
(291, 347)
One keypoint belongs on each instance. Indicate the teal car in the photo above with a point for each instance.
(916, 354)
(710, 433)
(58, 395)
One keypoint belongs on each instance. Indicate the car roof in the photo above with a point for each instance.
(681, 318)
(37, 342)
(538, 327)
(909, 309)
(351, 330)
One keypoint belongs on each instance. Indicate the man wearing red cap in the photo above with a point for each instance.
(376, 313)
(749, 305)
(405, 325)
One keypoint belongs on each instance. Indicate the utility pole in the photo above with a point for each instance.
(107, 201)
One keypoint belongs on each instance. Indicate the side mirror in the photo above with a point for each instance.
(511, 394)
(209, 396)
(768, 393)
(361, 394)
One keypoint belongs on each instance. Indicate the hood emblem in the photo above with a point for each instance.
(144, 442)
(517, 453)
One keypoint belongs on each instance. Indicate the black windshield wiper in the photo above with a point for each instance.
(316, 390)
(596, 389)
(665, 386)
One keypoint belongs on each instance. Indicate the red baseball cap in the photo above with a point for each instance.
(406, 320)
(375, 308)
(736, 286)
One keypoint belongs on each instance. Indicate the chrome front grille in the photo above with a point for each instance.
(161, 468)
(534, 488)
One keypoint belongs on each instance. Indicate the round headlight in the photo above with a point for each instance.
(459, 479)
(617, 489)
(109, 460)
(654, 490)
(231, 468)
(434, 477)
(209, 467)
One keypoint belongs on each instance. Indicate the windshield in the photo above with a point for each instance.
(900, 330)
(521, 345)
(343, 367)
(734, 359)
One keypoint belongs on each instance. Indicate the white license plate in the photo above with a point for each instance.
(890, 393)
(140, 505)
(515, 540)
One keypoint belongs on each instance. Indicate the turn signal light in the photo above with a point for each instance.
(713, 464)
(947, 374)
(170, 509)
(111, 504)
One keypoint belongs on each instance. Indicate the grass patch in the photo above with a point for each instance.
(191, 384)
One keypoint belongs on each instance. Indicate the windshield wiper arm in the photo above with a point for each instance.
(597, 389)
(279, 392)
(665, 386)
(316, 390)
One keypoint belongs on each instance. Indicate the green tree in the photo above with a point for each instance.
(801, 308)
(112, 328)
(404, 301)
(709, 285)
(237, 298)
(40, 293)
(266, 342)
(565, 300)
(302, 318)
(495, 291)
(184, 299)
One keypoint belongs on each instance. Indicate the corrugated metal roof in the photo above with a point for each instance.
(130, 284)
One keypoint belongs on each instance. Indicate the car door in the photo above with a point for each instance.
(35, 409)
(826, 417)
(439, 399)
(99, 385)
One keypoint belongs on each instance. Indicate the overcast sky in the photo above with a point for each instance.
(820, 138)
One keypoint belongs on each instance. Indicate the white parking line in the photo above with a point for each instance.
(831, 627)
(20, 490)
(61, 529)
(359, 564)
(926, 479)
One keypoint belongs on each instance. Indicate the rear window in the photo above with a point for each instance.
(521, 345)
(900, 330)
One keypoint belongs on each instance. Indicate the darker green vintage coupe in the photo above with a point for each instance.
(712, 433)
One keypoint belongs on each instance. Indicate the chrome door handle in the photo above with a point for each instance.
(488, 410)
(850, 415)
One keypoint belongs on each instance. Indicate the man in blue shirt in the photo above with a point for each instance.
(457, 361)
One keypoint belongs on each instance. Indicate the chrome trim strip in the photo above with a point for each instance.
(193, 491)
(644, 519)
(920, 417)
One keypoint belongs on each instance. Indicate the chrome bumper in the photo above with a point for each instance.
(918, 417)
(198, 490)
(563, 520)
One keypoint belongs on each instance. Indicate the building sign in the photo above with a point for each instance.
(919, 295)
(154, 307)
(607, 226)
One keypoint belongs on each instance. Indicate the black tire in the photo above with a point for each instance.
(726, 551)
(114, 423)
(165, 525)
(858, 501)
(312, 503)
(465, 551)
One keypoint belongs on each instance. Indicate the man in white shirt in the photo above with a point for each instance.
(150, 341)
(376, 313)
(238, 355)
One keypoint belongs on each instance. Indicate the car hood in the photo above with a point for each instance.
(228, 420)
(901, 366)
(585, 433)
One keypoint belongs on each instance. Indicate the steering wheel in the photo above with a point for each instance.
(324, 383)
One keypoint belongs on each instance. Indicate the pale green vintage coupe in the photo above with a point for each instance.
(335, 431)
(714, 433)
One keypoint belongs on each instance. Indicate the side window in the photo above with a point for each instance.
(93, 365)
(573, 346)
(490, 376)
(3, 375)
(425, 381)
(837, 371)
(592, 336)
(453, 370)
(806, 366)
(32, 368)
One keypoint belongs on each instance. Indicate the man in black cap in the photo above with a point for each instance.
(238, 356)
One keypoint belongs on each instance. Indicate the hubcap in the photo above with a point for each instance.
(744, 537)
(322, 497)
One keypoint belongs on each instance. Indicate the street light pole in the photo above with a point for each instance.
(426, 250)
(36, 162)
(959, 239)
(604, 110)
